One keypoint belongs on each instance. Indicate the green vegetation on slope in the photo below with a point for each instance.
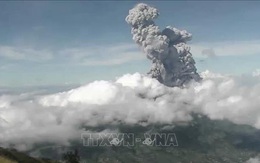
(13, 156)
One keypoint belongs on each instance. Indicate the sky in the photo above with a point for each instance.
(46, 43)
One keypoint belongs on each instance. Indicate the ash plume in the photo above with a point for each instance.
(172, 62)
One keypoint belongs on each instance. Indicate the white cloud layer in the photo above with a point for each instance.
(132, 99)
(253, 160)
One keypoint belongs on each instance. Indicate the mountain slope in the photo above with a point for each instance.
(13, 156)
(201, 141)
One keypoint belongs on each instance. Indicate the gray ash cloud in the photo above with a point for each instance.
(172, 62)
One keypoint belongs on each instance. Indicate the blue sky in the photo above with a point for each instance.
(65, 42)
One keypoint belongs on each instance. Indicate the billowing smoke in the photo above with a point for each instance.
(172, 62)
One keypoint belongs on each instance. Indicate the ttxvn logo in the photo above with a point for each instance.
(129, 139)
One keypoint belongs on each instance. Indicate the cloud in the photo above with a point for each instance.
(253, 160)
(102, 55)
(23, 53)
(115, 60)
(131, 99)
(86, 56)
(226, 48)
(116, 54)
(256, 72)
(209, 53)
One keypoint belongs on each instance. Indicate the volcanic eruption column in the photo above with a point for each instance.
(172, 62)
